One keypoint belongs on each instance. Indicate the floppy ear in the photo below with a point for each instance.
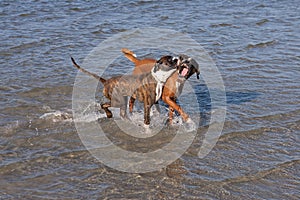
(195, 70)
(198, 74)
(196, 67)
(155, 68)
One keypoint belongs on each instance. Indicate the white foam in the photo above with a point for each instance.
(56, 116)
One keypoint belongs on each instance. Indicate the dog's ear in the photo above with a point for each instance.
(156, 66)
(195, 70)
(176, 60)
(158, 63)
(183, 57)
(196, 67)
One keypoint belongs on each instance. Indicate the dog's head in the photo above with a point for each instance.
(165, 67)
(166, 63)
(187, 67)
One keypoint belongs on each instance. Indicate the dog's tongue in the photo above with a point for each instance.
(184, 72)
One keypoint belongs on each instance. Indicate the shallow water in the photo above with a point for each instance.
(256, 48)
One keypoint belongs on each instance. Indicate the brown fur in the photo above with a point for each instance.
(170, 89)
(141, 87)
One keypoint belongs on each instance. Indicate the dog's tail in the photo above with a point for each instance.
(130, 55)
(87, 72)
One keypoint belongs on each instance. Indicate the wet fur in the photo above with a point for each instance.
(141, 87)
(174, 84)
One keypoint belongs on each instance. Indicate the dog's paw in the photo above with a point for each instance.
(190, 125)
(147, 129)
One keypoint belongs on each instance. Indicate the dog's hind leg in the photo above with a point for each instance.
(131, 104)
(105, 107)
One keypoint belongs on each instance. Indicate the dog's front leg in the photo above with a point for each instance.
(123, 112)
(171, 112)
(131, 104)
(173, 105)
(189, 124)
(146, 113)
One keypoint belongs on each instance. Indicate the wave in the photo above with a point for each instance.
(276, 170)
(28, 45)
(57, 116)
(261, 22)
(261, 44)
(221, 25)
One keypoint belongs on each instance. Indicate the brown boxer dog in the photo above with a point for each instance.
(146, 87)
(173, 87)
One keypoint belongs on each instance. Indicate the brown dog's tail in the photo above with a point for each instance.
(130, 55)
(87, 72)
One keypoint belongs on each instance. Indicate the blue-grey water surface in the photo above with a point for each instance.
(256, 47)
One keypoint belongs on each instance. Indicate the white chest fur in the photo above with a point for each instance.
(161, 77)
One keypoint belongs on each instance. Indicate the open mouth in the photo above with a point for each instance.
(183, 72)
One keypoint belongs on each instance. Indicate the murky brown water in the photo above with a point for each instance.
(256, 47)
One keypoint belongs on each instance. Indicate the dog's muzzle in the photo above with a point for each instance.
(184, 71)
